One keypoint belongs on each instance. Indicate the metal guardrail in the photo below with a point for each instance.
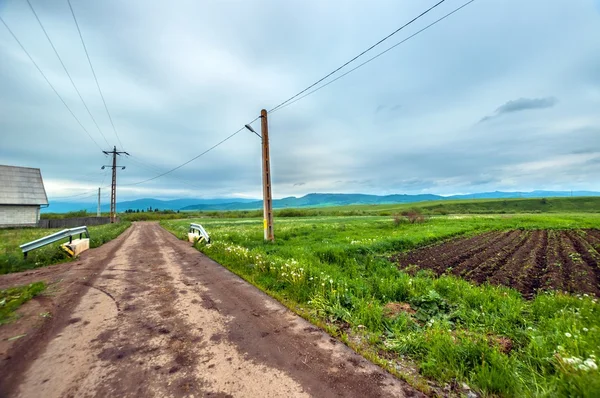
(55, 237)
(201, 230)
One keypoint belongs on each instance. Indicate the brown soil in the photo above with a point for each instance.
(148, 315)
(392, 309)
(528, 261)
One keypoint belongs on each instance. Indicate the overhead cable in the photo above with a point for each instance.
(356, 57)
(95, 77)
(48, 81)
(66, 71)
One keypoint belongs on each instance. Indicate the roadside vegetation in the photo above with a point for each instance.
(11, 256)
(336, 271)
(11, 299)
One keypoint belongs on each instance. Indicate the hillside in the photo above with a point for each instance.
(329, 199)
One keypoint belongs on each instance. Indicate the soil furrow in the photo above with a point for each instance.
(505, 240)
(554, 276)
(432, 257)
(528, 261)
(585, 268)
(487, 269)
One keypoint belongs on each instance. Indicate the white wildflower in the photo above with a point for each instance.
(590, 363)
(569, 335)
(572, 361)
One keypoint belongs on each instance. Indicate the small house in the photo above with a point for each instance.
(22, 194)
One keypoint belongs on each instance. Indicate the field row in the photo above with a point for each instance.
(525, 260)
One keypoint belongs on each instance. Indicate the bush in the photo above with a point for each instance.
(398, 219)
(414, 216)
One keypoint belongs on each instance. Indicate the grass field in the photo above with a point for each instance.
(488, 206)
(335, 271)
(13, 298)
(11, 257)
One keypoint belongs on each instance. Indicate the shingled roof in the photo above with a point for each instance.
(21, 186)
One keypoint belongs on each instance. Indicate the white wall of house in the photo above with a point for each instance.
(19, 215)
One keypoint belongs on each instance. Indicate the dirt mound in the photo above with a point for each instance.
(392, 310)
(528, 261)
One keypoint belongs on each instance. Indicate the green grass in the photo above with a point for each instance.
(11, 256)
(336, 268)
(512, 206)
(11, 299)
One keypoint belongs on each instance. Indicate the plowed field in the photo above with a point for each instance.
(525, 260)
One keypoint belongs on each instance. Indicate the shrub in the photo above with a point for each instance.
(414, 216)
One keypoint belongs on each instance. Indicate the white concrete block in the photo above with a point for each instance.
(193, 237)
(78, 246)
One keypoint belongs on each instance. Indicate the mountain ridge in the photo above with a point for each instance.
(332, 199)
(308, 200)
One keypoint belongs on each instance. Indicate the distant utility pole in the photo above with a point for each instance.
(266, 176)
(98, 212)
(113, 192)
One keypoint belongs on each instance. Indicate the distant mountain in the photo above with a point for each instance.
(176, 204)
(138, 204)
(332, 199)
(310, 200)
(319, 200)
(532, 194)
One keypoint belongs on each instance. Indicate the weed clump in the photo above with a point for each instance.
(11, 299)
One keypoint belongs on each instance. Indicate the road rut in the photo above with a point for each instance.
(162, 319)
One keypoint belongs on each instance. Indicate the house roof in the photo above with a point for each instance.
(21, 186)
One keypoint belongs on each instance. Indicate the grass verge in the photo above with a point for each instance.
(454, 332)
(11, 257)
(11, 299)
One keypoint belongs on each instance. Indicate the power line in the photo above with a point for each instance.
(95, 194)
(48, 81)
(94, 73)
(66, 71)
(189, 161)
(85, 192)
(376, 56)
(153, 169)
(76, 195)
(192, 159)
(358, 56)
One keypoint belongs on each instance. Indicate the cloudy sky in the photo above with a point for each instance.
(503, 95)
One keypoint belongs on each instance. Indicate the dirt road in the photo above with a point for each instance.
(153, 317)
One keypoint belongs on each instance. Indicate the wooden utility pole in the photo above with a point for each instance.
(113, 192)
(266, 168)
(98, 212)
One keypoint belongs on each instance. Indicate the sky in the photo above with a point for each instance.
(503, 95)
